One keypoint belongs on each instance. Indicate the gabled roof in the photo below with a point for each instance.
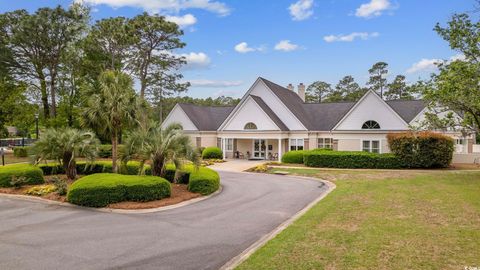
(326, 115)
(206, 118)
(293, 102)
(407, 109)
(270, 113)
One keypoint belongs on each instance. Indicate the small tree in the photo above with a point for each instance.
(112, 108)
(317, 91)
(64, 146)
(160, 146)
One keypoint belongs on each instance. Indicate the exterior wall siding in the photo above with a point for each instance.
(251, 112)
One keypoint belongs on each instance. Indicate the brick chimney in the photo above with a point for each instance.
(290, 87)
(301, 91)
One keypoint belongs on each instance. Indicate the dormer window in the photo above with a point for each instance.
(370, 124)
(250, 126)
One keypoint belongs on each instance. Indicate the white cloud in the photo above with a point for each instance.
(431, 64)
(182, 21)
(286, 46)
(373, 8)
(213, 83)
(162, 6)
(301, 10)
(350, 37)
(243, 47)
(196, 60)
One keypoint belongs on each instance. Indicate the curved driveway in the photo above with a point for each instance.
(204, 235)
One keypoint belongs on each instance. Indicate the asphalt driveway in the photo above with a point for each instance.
(204, 235)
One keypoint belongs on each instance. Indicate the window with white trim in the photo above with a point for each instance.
(370, 124)
(326, 143)
(229, 144)
(296, 144)
(371, 146)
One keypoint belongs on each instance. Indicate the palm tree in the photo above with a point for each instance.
(64, 146)
(111, 108)
(161, 146)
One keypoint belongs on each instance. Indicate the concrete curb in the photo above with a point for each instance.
(237, 260)
(112, 210)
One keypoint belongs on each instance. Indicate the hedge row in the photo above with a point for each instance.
(354, 160)
(293, 157)
(33, 175)
(105, 150)
(99, 190)
(203, 180)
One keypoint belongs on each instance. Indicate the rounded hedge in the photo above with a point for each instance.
(212, 152)
(293, 157)
(350, 159)
(33, 175)
(21, 151)
(99, 190)
(422, 149)
(203, 180)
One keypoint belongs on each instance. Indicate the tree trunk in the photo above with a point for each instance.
(53, 111)
(114, 151)
(70, 166)
(157, 166)
(44, 95)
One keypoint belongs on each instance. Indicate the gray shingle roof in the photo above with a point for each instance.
(269, 112)
(326, 115)
(206, 118)
(407, 109)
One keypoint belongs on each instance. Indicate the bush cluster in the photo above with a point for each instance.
(293, 157)
(21, 151)
(344, 159)
(422, 149)
(105, 150)
(41, 190)
(33, 175)
(203, 180)
(212, 153)
(99, 190)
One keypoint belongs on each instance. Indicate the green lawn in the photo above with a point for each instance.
(383, 220)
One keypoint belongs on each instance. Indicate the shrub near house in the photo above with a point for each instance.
(212, 153)
(422, 149)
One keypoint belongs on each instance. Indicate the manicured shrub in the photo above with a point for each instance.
(203, 180)
(212, 152)
(422, 149)
(293, 156)
(21, 151)
(33, 175)
(344, 159)
(99, 190)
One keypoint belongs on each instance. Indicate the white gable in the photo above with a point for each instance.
(371, 107)
(177, 115)
(419, 120)
(250, 111)
(287, 117)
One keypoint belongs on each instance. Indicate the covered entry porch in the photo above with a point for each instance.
(253, 146)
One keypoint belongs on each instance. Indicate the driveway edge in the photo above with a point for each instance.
(237, 260)
(112, 210)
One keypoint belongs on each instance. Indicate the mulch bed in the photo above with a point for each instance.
(179, 194)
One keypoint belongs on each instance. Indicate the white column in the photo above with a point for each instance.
(280, 149)
(266, 149)
(224, 148)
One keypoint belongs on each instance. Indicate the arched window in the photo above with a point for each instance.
(370, 124)
(250, 125)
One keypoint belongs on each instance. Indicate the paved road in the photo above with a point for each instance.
(204, 235)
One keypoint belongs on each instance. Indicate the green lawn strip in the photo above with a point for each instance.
(426, 220)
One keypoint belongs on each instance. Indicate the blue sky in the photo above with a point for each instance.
(232, 42)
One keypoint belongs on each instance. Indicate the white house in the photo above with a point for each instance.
(271, 120)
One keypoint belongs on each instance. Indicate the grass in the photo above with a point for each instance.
(382, 220)
(11, 159)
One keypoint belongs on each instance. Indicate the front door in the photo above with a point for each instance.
(259, 148)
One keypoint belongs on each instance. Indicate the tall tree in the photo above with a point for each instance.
(346, 90)
(112, 108)
(398, 89)
(36, 43)
(457, 86)
(155, 39)
(317, 91)
(378, 81)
